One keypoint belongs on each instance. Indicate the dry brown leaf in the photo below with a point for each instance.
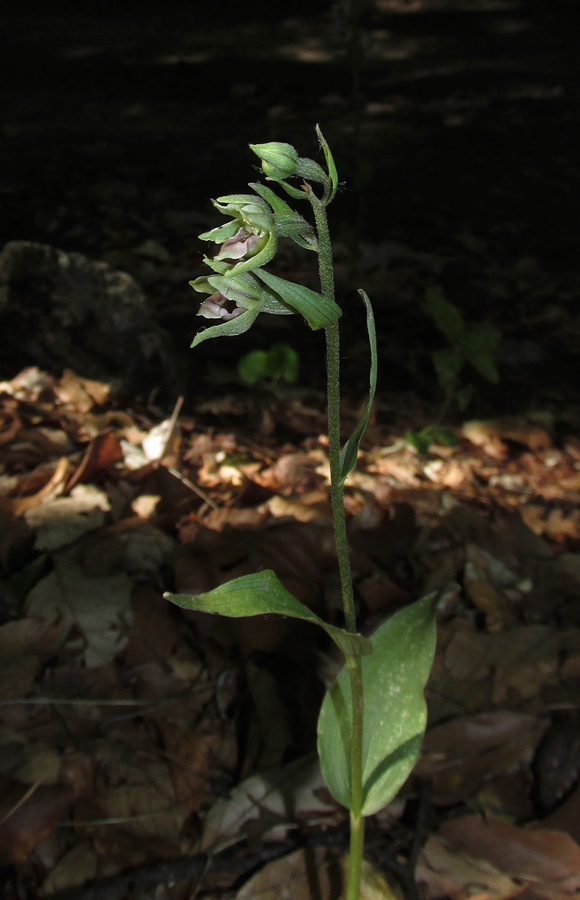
(441, 873)
(270, 803)
(20, 654)
(76, 867)
(548, 861)
(566, 818)
(312, 873)
(66, 600)
(59, 521)
(190, 757)
(488, 600)
(491, 435)
(468, 655)
(52, 487)
(312, 507)
(28, 815)
(135, 799)
(153, 635)
(103, 451)
(557, 523)
(300, 876)
(292, 472)
(81, 393)
(459, 756)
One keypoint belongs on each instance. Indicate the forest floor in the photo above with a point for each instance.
(166, 754)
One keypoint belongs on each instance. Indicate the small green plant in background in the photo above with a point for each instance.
(278, 363)
(474, 345)
(373, 716)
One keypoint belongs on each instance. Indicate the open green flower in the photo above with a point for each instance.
(237, 299)
(249, 238)
(243, 245)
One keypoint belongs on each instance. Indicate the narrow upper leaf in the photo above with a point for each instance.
(330, 164)
(261, 593)
(349, 452)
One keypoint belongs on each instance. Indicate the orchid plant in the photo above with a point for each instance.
(373, 716)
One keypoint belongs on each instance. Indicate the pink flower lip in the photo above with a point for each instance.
(214, 307)
(242, 244)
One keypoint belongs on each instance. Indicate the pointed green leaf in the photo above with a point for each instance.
(218, 265)
(444, 436)
(448, 363)
(311, 171)
(262, 593)
(292, 191)
(447, 316)
(231, 328)
(463, 396)
(287, 222)
(253, 366)
(478, 345)
(318, 311)
(283, 363)
(420, 439)
(221, 232)
(279, 206)
(330, 164)
(349, 452)
(395, 713)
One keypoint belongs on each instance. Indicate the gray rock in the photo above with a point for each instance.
(61, 310)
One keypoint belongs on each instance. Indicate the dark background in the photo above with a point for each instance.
(454, 126)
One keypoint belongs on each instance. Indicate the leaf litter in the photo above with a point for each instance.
(132, 732)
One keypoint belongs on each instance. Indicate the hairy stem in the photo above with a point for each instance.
(339, 521)
(355, 857)
(333, 400)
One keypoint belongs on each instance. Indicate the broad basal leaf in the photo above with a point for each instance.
(394, 676)
(259, 594)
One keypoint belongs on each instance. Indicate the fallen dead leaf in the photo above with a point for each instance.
(28, 814)
(547, 861)
(312, 873)
(99, 607)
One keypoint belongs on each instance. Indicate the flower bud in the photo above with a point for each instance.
(278, 160)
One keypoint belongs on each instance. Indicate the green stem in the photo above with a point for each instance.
(341, 540)
(356, 691)
(333, 400)
(355, 857)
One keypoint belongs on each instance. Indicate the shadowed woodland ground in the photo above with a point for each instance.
(137, 742)
(454, 126)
